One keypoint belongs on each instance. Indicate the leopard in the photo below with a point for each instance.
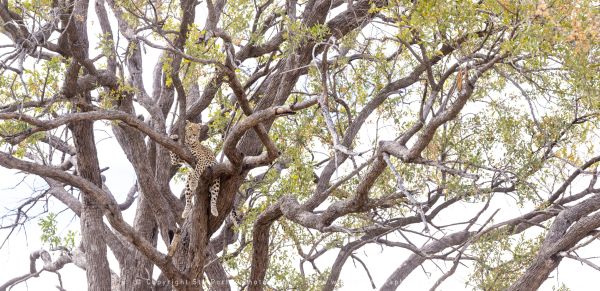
(205, 158)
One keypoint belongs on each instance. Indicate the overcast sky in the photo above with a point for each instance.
(14, 256)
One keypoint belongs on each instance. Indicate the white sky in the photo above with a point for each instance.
(14, 256)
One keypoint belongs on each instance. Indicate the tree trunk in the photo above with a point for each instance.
(97, 270)
(136, 270)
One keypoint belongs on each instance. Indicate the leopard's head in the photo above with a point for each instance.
(192, 131)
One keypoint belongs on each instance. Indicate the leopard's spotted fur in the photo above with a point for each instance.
(204, 159)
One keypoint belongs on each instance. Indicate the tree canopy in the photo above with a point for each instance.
(337, 125)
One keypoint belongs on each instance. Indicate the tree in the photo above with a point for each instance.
(337, 124)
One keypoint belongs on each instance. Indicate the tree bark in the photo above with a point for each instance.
(98, 272)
